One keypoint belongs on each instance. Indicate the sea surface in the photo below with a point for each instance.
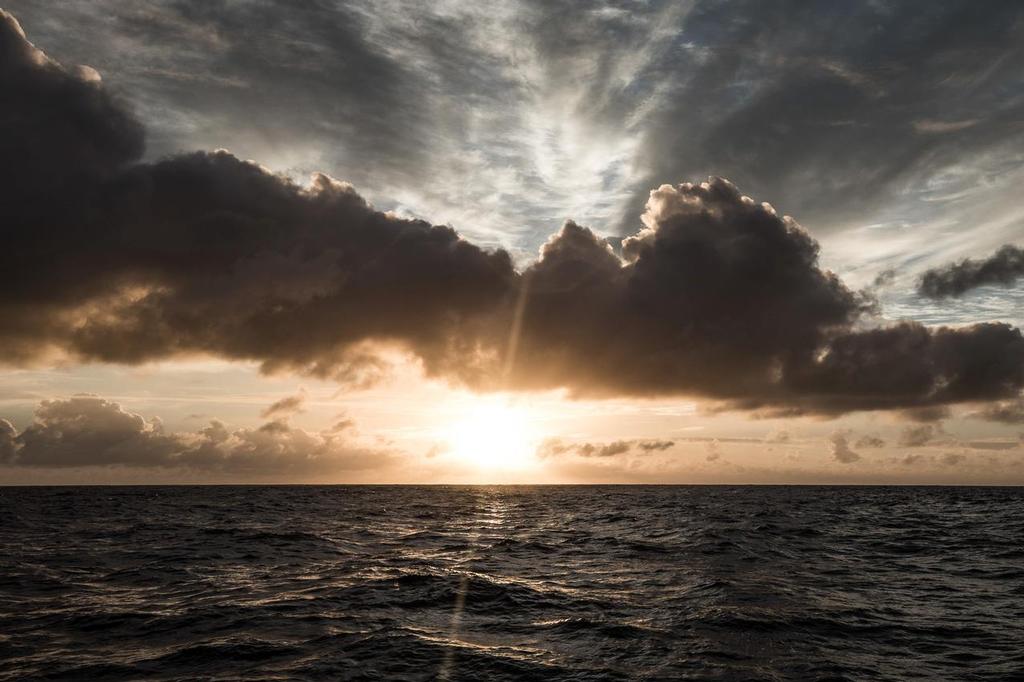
(511, 583)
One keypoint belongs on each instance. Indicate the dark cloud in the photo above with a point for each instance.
(556, 447)
(1003, 268)
(839, 443)
(207, 253)
(87, 430)
(714, 294)
(60, 127)
(722, 297)
(285, 407)
(909, 366)
(110, 259)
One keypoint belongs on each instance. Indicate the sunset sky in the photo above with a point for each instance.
(636, 242)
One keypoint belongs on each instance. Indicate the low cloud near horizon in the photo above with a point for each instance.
(88, 437)
(90, 431)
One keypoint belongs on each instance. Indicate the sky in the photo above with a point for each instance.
(580, 242)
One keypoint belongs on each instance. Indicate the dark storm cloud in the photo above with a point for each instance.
(555, 447)
(722, 297)
(714, 293)
(203, 252)
(1003, 268)
(87, 430)
(114, 260)
(909, 366)
(59, 127)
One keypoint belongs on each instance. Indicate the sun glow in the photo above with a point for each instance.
(494, 434)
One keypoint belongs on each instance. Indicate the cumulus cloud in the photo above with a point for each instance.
(111, 259)
(1003, 268)
(556, 447)
(839, 445)
(87, 430)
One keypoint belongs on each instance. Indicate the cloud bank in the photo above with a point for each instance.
(111, 259)
(87, 430)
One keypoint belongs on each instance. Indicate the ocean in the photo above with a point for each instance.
(511, 583)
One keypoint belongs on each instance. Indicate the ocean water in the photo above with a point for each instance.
(479, 583)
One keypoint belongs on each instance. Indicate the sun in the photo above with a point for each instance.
(494, 434)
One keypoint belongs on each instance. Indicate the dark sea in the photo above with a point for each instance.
(511, 583)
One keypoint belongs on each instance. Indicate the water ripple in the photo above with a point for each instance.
(472, 583)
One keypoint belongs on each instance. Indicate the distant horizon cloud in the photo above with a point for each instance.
(839, 445)
(88, 431)
(109, 258)
(100, 438)
(558, 447)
